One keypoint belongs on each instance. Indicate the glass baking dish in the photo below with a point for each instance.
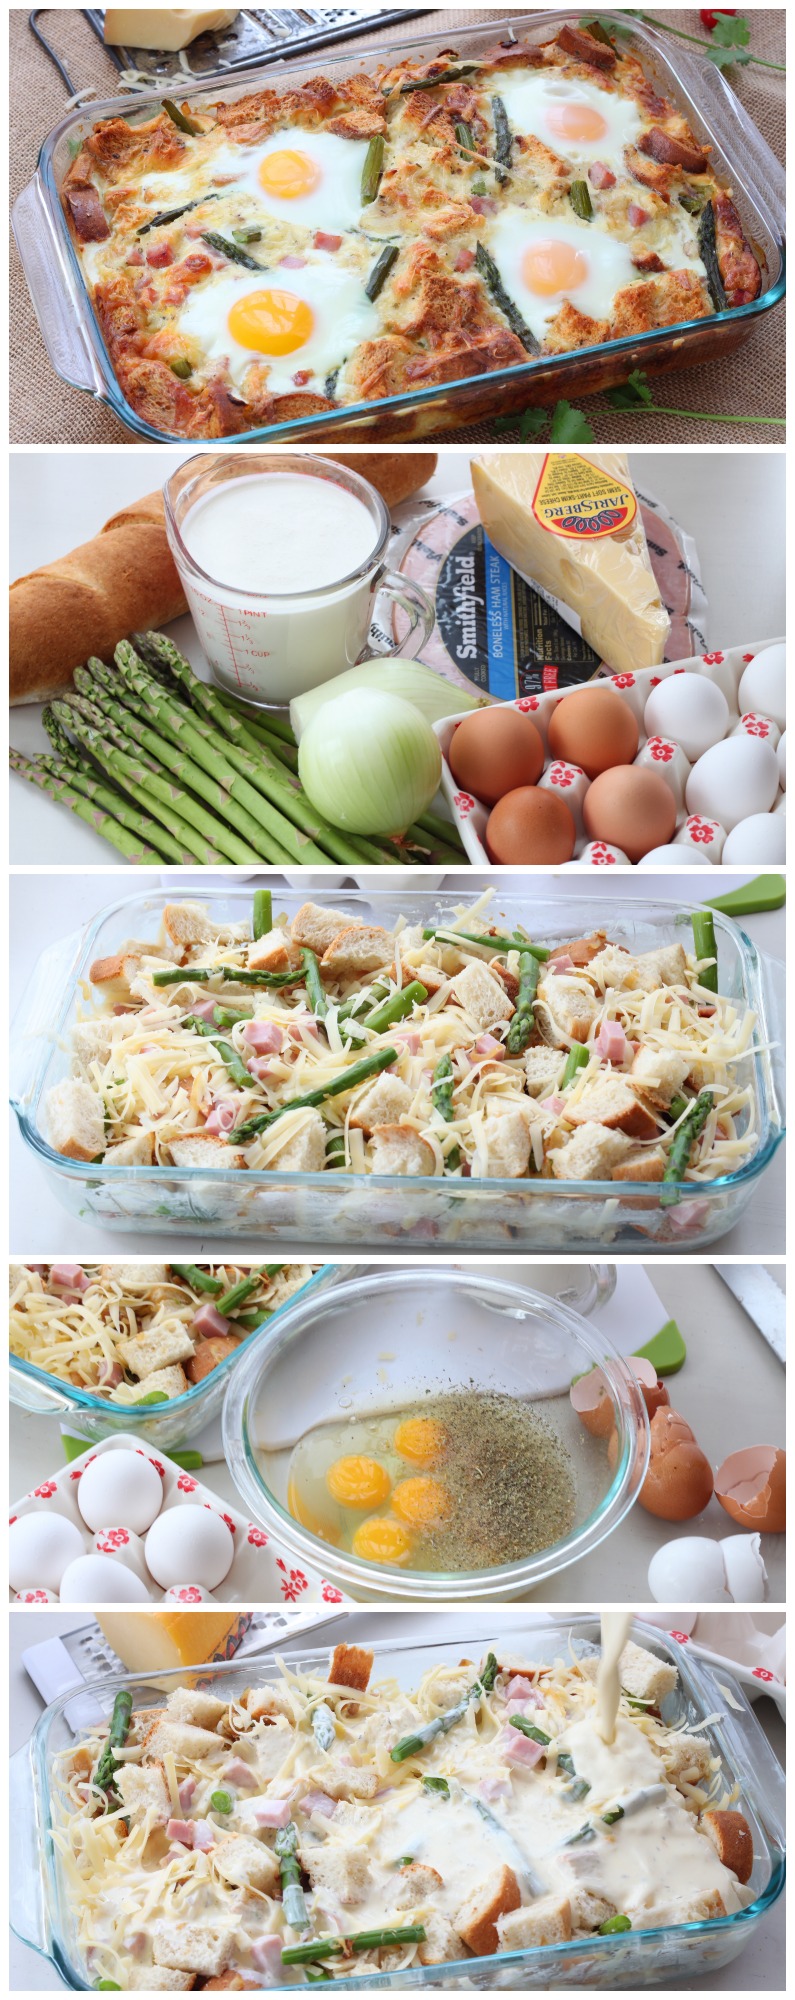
(164, 1425)
(79, 356)
(42, 1902)
(378, 1212)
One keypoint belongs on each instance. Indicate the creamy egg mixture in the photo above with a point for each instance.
(309, 1812)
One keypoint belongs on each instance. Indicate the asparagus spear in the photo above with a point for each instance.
(229, 1056)
(465, 136)
(380, 271)
(437, 1785)
(441, 829)
(684, 1140)
(706, 947)
(133, 847)
(200, 1280)
(340, 1947)
(490, 274)
(324, 1728)
(117, 1736)
(529, 1730)
(231, 250)
(410, 1746)
(180, 118)
(576, 1059)
(503, 139)
(202, 835)
(191, 975)
(496, 945)
(116, 804)
(708, 252)
(580, 198)
(237, 1294)
(263, 913)
(451, 75)
(228, 1017)
(396, 1007)
(373, 168)
(314, 984)
(135, 720)
(295, 1909)
(442, 1088)
(349, 1080)
(521, 1027)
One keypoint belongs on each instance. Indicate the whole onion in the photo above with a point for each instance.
(369, 762)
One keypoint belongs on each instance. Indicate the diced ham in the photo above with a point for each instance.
(600, 176)
(203, 1835)
(555, 1104)
(323, 241)
(488, 1045)
(637, 215)
(273, 1812)
(519, 1688)
(109, 1375)
(205, 1009)
(301, 377)
(159, 255)
(209, 1324)
(483, 204)
(267, 1955)
(307, 1026)
(181, 1830)
(688, 1215)
(495, 1788)
(198, 264)
(519, 1749)
(518, 1705)
(70, 1277)
(464, 261)
(319, 1802)
(186, 1791)
(562, 962)
(240, 1774)
(611, 1042)
(264, 1036)
(136, 1943)
(408, 1038)
(224, 1115)
(135, 257)
(292, 263)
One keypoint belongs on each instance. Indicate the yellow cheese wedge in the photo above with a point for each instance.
(147, 1640)
(569, 522)
(166, 28)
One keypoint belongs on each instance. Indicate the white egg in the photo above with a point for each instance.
(746, 1576)
(99, 1580)
(781, 803)
(764, 684)
(120, 1486)
(36, 1594)
(313, 178)
(704, 838)
(41, 1545)
(734, 779)
(188, 1593)
(573, 117)
(545, 261)
(781, 758)
(193, 1539)
(762, 838)
(297, 322)
(692, 712)
(673, 856)
(123, 1546)
(689, 1570)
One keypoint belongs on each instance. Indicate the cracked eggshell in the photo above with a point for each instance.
(752, 1487)
(746, 1575)
(689, 1570)
(678, 1483)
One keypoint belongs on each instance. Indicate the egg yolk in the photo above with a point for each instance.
(358, 1482)
(576, 121)
(422, 1440)
(423, 1503)
(381, 1540)
(272, 322)
(550, 266)
(288, 175)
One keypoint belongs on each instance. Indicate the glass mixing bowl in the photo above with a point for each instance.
(385, 1342)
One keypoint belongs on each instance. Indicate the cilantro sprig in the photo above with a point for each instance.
(727, 46)
(567, 426)
(634, 397)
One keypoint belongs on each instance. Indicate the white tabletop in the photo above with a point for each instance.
(731, 503)
(759, 1970)
(46, 906)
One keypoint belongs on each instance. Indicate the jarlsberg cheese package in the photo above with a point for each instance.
(569, 522)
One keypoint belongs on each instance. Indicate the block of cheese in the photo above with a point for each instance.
(148, 1640)
(569, 522)
(166, 28)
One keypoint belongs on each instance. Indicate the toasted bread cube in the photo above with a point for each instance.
(442, 1942)
(358, 948)
(589, 1910)
(545, 1921)
(351, 1667)
(202, 1149)
(610, 1101)
(136, 1152)
(667, 966)
(430, 976)
(482, 996)
(75, 1120)
(591, 1155)
(182, 1739)
(398, 1149)
(140, 1277)
(247, 1863)
(121, 965)
(193, 1947)
(658, 1076)
(188, 923)
(543, 1068)
(566, 1010)
(417, 1884)
(615, 968)
(343, 1871)
(382, 1103)
(316, 928)
(160, 1979)
(480, 1914)
(144, 1790)
(688, 1758)
(275, 952)
(264, 1704)
(506, 1140)
(704, 1908)
(644, 1163)
(643, 1675)
(302, 1144)
(732, 1840)
(194, 1705)
(91, 1040)
(158, 1349)
(168, 1382)
(350, 1782)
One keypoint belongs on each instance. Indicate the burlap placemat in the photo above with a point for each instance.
(44, 410)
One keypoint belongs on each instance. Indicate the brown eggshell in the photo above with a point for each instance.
(595, 729)
(632, 809)
(494, 751)
(528, 826)
(678, 1483)
(752, 1487)
(655, 1396)
(591, 1399)
(209, 1355)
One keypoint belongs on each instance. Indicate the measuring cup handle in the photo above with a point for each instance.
(418, 608)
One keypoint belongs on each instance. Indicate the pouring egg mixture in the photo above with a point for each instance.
(443, 1049)
(326, 1825)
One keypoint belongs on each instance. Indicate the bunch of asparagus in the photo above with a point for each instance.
(167, 768)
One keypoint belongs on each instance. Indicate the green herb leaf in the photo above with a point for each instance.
(728, 58)
(731, 32)
(632, 392)
(569, 426)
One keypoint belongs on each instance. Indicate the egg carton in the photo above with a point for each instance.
(262, 1571)
(700, 838)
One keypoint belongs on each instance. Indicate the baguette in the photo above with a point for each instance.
(394, 474)
(122, 581)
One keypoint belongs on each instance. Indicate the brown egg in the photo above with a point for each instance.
(494, 750)
(752, 1486)
(632, 809)
(678, 1483)
(530, 825)
(593, 728)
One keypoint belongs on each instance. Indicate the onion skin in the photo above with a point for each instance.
(369, 762)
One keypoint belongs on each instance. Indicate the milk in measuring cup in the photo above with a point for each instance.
(268, 612)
